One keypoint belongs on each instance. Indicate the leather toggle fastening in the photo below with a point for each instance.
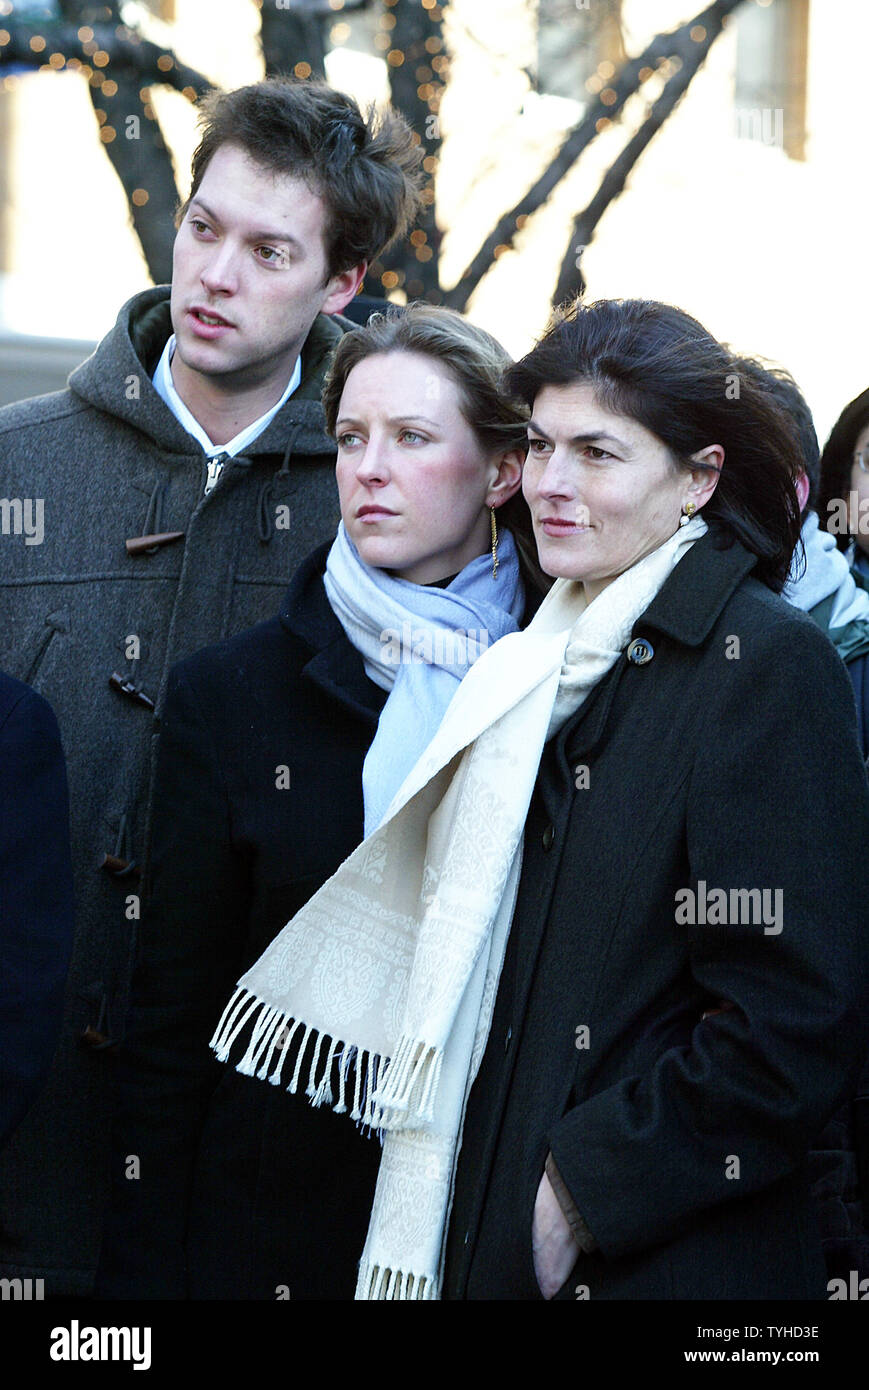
(125, 686)
(97, 1037)
(91, 1037)
(149, 545)
(121, 862)
(118, 867)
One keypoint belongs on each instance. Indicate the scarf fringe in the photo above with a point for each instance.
(378, 1283)
(397, 1092)
(404, 1098)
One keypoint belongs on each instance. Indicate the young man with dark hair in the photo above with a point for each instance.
(177, 482)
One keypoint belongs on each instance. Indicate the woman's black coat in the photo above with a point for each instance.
(258, 799)
(729, 757)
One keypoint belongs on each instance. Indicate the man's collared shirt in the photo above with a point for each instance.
(217, 453)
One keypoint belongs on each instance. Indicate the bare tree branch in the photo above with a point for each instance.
(296, 31)
(143, 164)
(289, 38)
(623, 86)
(416, 85)
(692, 54)
(122, 47)
(120, 67)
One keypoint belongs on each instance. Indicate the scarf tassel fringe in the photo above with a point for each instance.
(405, 1096)
(388, 1093)
(379, 1284)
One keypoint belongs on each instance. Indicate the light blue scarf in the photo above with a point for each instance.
(417, 642)
(826, 573)
(827, 577)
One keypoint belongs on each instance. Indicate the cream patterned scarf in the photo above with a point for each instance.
(382, 986)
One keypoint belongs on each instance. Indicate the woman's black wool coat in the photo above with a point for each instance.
(728, 758)
(258, 799)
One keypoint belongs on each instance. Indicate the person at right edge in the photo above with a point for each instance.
(822, 584)
(843, 492)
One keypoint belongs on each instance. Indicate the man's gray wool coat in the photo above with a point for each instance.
(109, 461)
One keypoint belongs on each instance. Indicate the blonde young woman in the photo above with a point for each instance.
(279, 749)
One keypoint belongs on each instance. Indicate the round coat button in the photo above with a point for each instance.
(548, 836)
(640, 651)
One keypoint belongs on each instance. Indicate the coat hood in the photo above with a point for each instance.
(116, 379)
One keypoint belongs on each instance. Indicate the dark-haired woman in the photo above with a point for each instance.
(278, 749)
(843, 502)
(632, 1073)
(684, 997)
